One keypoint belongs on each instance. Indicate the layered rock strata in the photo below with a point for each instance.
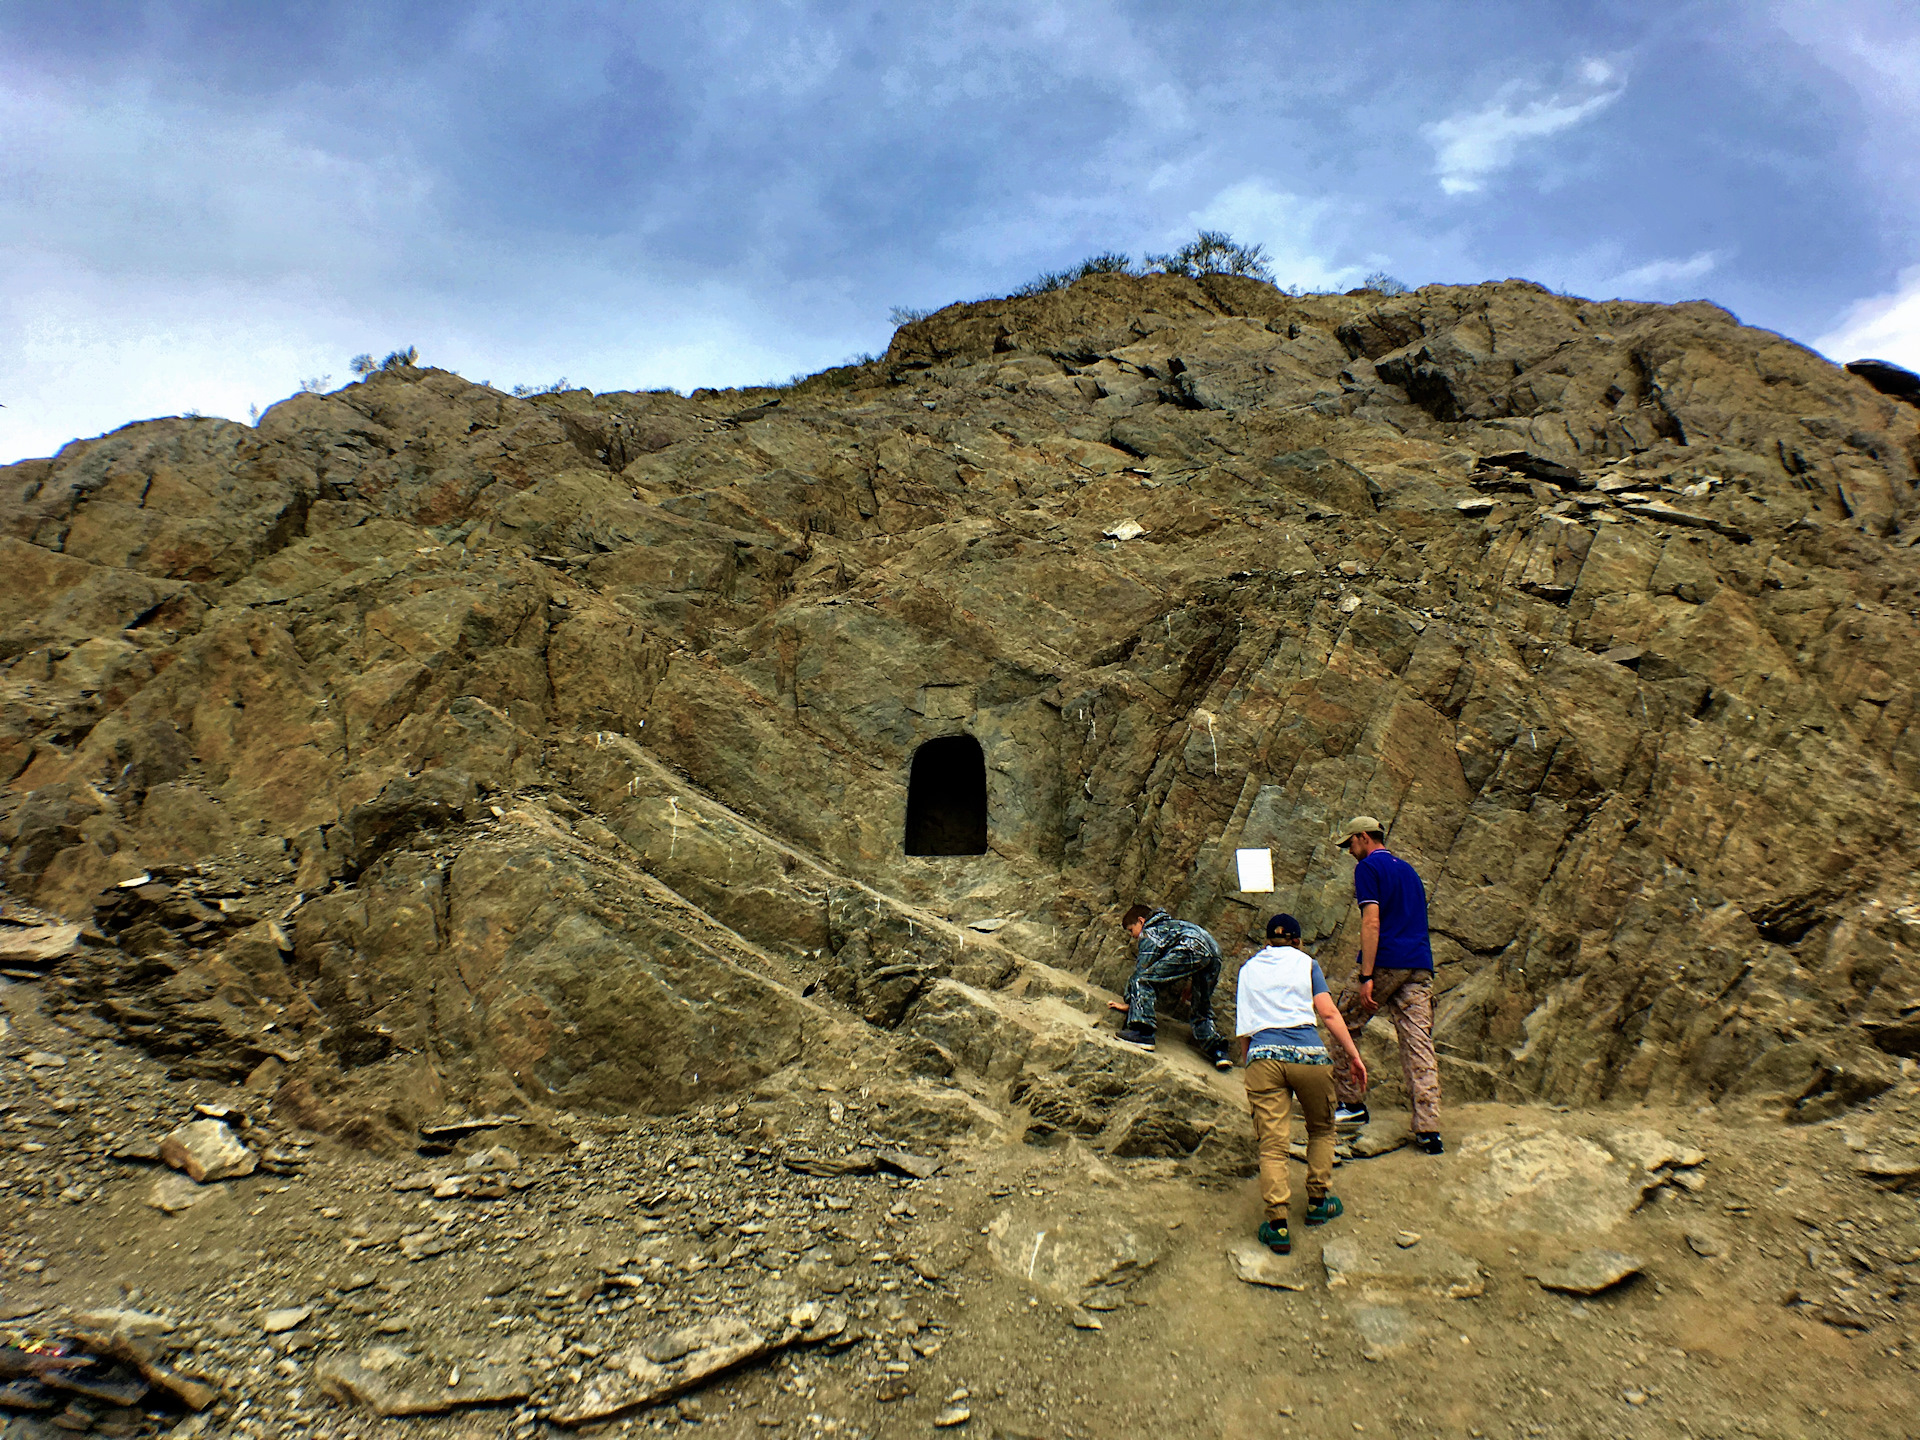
(427, 750)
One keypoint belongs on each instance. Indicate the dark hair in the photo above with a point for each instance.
(1138, 912)
(1379, 836)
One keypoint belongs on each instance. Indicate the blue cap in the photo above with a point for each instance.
(1281, 926)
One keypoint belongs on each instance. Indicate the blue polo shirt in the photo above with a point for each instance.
(1384, 879)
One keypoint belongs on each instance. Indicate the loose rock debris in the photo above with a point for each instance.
(668, 1273)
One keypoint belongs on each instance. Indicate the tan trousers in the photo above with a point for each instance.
(1272, 1086)
(1406, 997)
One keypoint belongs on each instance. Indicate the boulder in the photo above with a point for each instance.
(207, 1151)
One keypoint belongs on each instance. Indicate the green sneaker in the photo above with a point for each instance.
(1325, 1210)
(1276, 1238)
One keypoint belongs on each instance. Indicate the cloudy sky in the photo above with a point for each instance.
(203, 205)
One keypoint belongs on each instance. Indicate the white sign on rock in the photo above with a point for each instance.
(1256, 869)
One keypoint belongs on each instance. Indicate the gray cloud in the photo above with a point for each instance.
(205, 203)
(1471, 145)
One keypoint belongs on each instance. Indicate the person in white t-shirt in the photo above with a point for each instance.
(1281, 990)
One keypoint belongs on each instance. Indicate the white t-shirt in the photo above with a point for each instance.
(1276, 991)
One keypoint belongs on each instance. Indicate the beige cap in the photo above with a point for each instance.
(1358, 825)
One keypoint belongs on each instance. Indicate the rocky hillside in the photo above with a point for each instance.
(423, 750)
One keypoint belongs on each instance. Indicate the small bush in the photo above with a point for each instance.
(364, 364)
(523, 391)
(1107, 262)
(317, 384)
(906, 315)
(1385, 284)
(1213, 252)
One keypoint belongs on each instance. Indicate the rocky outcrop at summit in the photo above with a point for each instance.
(484, 753)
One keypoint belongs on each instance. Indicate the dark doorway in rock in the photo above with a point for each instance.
(947, 798)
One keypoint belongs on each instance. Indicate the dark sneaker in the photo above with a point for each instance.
(1355, 1114)
(1142, 1038)
(1276, 1238)
(1427, 1142)
(1324, 1210)
(1216, 1051)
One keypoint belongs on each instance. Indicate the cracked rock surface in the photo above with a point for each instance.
(427, 782)
(417, 703)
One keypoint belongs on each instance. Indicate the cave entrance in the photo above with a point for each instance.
(947, 798)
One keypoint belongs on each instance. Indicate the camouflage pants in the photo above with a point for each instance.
(1406, 997)
(1202, 969)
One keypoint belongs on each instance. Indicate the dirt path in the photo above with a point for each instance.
(1773, 1298)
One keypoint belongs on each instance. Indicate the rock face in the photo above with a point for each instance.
(473, 752)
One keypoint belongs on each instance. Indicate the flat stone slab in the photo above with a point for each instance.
(1590, 1272)
(1896, 1169)
(1534, 1178)
(126, 1322)
(1377, 1139)
(1387, 1131)
(1074, 1255)
(38, 943)
(174, 1193)
(1706, 1244)
(1257, 1265)
(718, 1345)
(856, 1162)
(1433, 1268)
(1651, 1150)
(1384, 1330)
(381, 1381)
(905, 1162)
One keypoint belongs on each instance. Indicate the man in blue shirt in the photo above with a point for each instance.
(1396, 974)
